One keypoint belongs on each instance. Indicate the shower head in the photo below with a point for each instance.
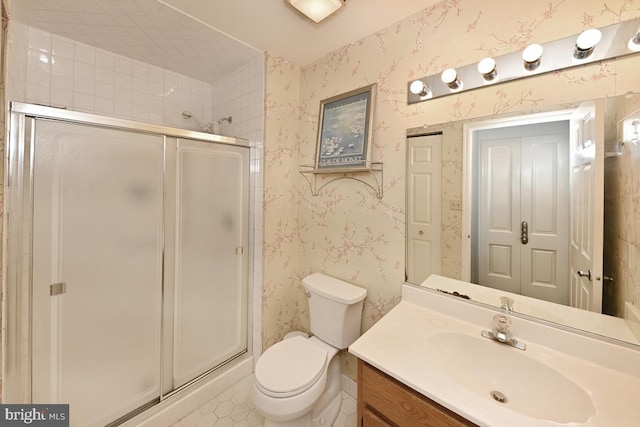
(189, 115)
(225, 119)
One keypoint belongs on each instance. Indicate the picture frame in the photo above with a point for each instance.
(344, 130)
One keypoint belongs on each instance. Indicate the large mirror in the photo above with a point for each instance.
(548, 215)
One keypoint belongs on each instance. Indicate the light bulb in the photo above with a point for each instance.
(449, 75)
(450, 78)
(487, 67)
(634, 42)
(586, 42)
(418, 88)
(532, 56)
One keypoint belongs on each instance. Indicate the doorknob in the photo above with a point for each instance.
(586, 274)
(524, 232)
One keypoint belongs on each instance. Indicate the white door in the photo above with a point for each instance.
(523, 211)
(424, 256)
(587, 205)
(499, 214)
(544, 196)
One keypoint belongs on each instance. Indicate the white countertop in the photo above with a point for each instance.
(398, 346)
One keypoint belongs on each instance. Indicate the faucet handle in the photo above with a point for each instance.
(506, 303)
(501, 323)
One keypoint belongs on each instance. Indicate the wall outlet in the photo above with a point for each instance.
(455, 205)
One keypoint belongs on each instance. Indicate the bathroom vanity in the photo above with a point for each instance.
(384, 401)
(426, 363)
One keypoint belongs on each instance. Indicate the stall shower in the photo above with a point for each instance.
(127, 261)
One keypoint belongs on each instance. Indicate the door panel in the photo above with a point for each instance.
(501, 261)
(211, 257)
(545, 207)
(424, 210)
(499, 213)
(96, 346)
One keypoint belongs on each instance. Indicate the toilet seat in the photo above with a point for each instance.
(290, 367)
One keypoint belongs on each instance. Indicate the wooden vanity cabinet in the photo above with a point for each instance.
(383, 402)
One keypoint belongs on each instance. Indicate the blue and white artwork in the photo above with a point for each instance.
(343, 138)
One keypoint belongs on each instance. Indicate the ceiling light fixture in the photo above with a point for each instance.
(450, 78)
(317, 10)
(532, 56)
(487, 67)
(586, 43)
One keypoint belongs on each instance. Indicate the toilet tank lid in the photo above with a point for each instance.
(334, 289)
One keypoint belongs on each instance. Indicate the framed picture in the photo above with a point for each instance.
(344, 131)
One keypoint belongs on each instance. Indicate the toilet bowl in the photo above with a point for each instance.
(297, 380)
(290, 377)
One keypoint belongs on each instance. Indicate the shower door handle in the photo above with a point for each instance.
(524, 232)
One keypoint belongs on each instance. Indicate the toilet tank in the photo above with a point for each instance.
(335, 309)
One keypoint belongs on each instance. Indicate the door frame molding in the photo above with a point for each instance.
(468, 168)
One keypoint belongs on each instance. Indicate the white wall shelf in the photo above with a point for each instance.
(371, 176)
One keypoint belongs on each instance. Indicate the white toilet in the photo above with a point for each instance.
(297, 381)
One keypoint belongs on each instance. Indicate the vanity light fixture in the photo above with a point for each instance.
(634, 42)
(417, 87)
(487, 67)
(532, 55)
(586, 43)
(450, 78)
(593, 45)
(317, 10)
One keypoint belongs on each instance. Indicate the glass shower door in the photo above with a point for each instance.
(97, 269)
(212, 196)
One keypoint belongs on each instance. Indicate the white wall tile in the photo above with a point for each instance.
(123, 65)
(62, 82)
(39, 39)
(62, 64)
(61, 46)
(104, 90)
(105, 75)
(123, 80)
(84, 70)
(105, 60)
(84, 53)
(61, 97)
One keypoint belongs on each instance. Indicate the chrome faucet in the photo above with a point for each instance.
(501, 332)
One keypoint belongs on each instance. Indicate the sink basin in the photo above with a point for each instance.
(523, 384)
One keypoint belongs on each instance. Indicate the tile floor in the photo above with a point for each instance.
(233, 408)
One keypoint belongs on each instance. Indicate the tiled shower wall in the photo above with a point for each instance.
(241, 96)
(44, 68)
(48, 69)
(51, 70)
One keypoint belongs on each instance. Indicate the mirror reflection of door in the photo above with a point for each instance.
(424, 254)
(537, 208)
(587, 206)
(523, 210)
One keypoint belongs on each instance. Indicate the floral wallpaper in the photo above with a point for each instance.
(346, 231)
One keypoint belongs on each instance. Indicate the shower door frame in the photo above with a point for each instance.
(17, 241)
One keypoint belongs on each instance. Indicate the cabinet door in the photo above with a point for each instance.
(371, 419)
(378, 393)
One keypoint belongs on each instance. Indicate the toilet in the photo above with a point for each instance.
(297, 381)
